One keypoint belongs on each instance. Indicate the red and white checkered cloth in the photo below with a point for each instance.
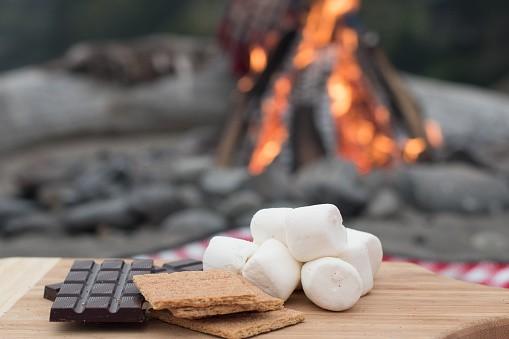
(486, 273)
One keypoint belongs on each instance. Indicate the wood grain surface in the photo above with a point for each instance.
(407, 302)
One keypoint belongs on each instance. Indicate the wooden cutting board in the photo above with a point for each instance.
(407, 302)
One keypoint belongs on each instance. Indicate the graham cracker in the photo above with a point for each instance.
(262, 303)
(195, 289)
(239, 325)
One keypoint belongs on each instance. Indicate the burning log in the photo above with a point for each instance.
(247, 102)
(305, 138)
(401, 101)
(311, 85)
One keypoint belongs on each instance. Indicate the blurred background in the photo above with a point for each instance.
(115, 116)
(453, 40)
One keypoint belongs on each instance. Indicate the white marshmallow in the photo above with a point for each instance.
(315, 231)
(227, 253)
(331, 283)
(273, 269)
(269, 223)
(356, 254)
(372, 243)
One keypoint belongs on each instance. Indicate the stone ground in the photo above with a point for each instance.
(404, 229)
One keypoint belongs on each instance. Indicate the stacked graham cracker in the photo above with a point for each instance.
(217, 302)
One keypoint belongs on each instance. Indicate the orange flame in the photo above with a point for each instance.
(365, 132)
(245, 84)
(257, 59)
(362, 122)
(341, 96)
(319, 28)
(383, 149)
(382, 115)
(413, 149)
(338, 8)
(349, 39)
(305, 55)
(273, 132)
(434, 133)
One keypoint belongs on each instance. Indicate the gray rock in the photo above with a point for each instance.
(243, 220)
(495, 158)
(332, 181)
(240, 203)
(398, 238)
(273, 184)
(48, 171)
(444, 241)
(375, 179)
(118, 168)
(453, 187)
(467, 237)
(284, 203)
(113, 244)
(190, 196)
(441, 237)
(197, 140)
(194, 223)
(490, 242)
(35, 223)
(223, 181)
(380, 178)
(96, 185)
(115, 213)
(11, 207)
(155, 172)
(155, 203)
(384, 204)
(58, 195)
(411, 216)
(190, 169)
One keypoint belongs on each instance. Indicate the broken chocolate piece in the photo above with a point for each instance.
(51, 290)
(101, 293)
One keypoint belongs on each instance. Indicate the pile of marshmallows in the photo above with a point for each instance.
(307, 245)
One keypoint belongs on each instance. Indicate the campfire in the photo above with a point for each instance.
(312, 82)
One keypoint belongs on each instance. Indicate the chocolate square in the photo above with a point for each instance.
(107, 276)
(111, 265)
(77, 277)
(68, 290)
(102, 289)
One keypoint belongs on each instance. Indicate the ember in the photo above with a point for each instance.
(330, 72)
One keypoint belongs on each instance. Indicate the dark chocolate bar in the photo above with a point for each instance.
(101, 293)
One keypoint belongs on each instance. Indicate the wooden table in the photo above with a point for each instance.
(407, 302)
